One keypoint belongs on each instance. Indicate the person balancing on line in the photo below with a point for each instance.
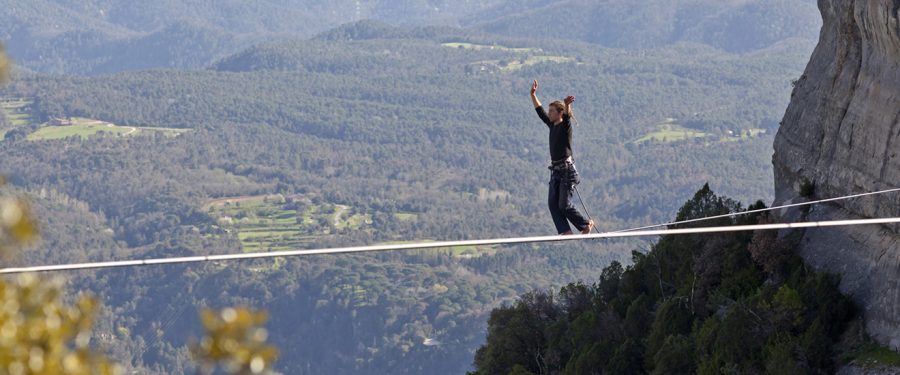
(563, 176)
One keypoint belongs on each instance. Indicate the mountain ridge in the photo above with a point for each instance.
(96, 37)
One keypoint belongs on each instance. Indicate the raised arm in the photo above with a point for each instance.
(537, 105)
(569, 100)
(534, 98)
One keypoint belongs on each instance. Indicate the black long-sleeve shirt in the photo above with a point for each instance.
(560, 136)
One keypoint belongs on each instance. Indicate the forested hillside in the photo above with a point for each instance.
(370, 134)
(739, 302)
(730, 25)
(100, 36)
(94, 36)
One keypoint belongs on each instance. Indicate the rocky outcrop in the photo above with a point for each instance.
(841, 135)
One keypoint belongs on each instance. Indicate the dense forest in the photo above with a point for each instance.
(370, 134)
(740, 302)
(105, 36)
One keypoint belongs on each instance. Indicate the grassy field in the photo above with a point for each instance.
(14, 111)
(745, 134)
(670, 131)
(472, 251)
(488, 47)
(488, 195)
(532, 60)
(403, 216)
(272, 223)
(278, 223)
(507, 66)
(84, 128)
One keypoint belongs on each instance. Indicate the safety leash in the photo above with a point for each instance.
(585, 208)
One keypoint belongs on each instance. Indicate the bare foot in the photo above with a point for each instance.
(588, 228)
(566, 233)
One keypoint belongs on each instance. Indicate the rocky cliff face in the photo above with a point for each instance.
(841, 133)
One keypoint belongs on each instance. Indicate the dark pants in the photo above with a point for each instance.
(563, 179)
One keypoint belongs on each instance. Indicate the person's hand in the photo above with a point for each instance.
(534, 87)
(569, 99)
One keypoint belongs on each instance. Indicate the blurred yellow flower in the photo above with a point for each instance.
(235, 341)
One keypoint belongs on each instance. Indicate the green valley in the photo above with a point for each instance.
(365, 134)
(277, 223)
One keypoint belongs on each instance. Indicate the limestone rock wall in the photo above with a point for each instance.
(841, 133)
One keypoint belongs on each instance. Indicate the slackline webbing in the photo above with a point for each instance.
(431, 245)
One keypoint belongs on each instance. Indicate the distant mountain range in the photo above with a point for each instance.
(731, 25)
(102, 36)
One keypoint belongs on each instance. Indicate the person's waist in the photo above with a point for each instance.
(566, 160)
(561, 164)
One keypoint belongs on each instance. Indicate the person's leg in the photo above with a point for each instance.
(559, 218)
(564, 204)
